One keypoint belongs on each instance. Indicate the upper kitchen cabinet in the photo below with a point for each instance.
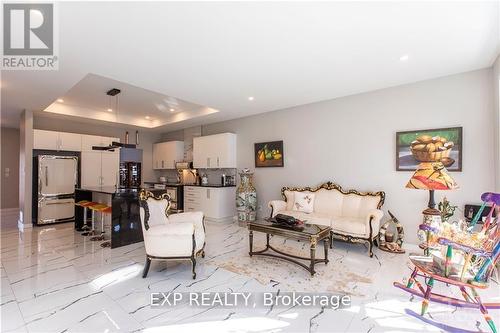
(215, 151)
(52, 140)
(70, 141)
(88, 141)
(166, 154)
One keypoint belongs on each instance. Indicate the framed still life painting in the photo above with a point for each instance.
(269, 154)
(432, 145)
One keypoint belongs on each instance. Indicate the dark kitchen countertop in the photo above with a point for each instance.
(107, 189)
(211, 185)
(178, 184)
(165, 183)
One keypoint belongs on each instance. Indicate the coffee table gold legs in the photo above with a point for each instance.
(313, 255)
(250, 239)
(326, 242)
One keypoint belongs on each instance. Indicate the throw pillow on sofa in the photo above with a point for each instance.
(303, 202)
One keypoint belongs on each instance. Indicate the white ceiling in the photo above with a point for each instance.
(282, 53)
(132, 106)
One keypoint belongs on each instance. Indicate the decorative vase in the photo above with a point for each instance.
(246, 198)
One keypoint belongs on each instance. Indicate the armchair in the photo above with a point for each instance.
(178, 236)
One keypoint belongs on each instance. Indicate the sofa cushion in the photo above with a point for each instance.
(290, 197)
(303, 202)
(353, 226)
(355, 205)
(313, 218)
(368, 203)
(328, 202)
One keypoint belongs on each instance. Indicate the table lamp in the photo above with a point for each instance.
(431, 176)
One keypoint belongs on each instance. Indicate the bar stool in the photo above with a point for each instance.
(107, 210)
(84, 204)
(100, 208)
(94, 208)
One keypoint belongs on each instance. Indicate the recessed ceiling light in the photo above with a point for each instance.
(404, 57)
(172, 110)
(60, 100)
(147, 117)
(109, 110)
(251, 98)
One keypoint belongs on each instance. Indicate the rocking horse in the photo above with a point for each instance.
(461, 258)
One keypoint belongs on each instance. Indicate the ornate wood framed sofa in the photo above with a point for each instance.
(175, 236)
(353, 216)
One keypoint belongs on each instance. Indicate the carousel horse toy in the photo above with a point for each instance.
(460, 255)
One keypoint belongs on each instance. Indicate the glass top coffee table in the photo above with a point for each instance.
(311, 233)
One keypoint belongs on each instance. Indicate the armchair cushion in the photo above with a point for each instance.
(171, 240)
(157, 212)
(174, 229)
(170, 236)
(195, 219)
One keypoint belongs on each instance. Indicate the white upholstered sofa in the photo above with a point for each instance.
(353, 216)
(175, 236)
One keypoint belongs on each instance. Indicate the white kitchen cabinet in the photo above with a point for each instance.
(216, 203)
(99, 168)
(200, 152)
(52, 140)
(70, 141)
(215, 151)
(166, 154)
(88, 141)
(110, 165)
(45, 139)
(90, 168)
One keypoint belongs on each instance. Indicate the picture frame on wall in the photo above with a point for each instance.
(269, 154)
(431, 145)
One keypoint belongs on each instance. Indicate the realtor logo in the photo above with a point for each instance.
(29, 36)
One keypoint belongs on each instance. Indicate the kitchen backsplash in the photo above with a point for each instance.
(214, 175)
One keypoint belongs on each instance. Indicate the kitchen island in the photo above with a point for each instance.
(123, 227)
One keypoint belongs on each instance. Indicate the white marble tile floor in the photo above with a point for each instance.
(55, 280)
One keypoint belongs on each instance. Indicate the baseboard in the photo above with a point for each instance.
(9, 217)
(21, 226)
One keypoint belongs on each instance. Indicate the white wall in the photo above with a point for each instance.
(9, 168)
(496, 117)
(351, 141)
(25, 168)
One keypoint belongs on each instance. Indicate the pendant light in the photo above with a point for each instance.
(114, 93)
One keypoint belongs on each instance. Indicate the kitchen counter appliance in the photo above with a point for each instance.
(130, 168)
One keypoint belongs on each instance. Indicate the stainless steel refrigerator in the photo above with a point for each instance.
(57, 178)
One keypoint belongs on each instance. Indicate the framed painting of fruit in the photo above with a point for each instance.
(433, 145)
(269, 154)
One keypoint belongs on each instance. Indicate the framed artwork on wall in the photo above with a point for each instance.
(269, 154)
(433, 145)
